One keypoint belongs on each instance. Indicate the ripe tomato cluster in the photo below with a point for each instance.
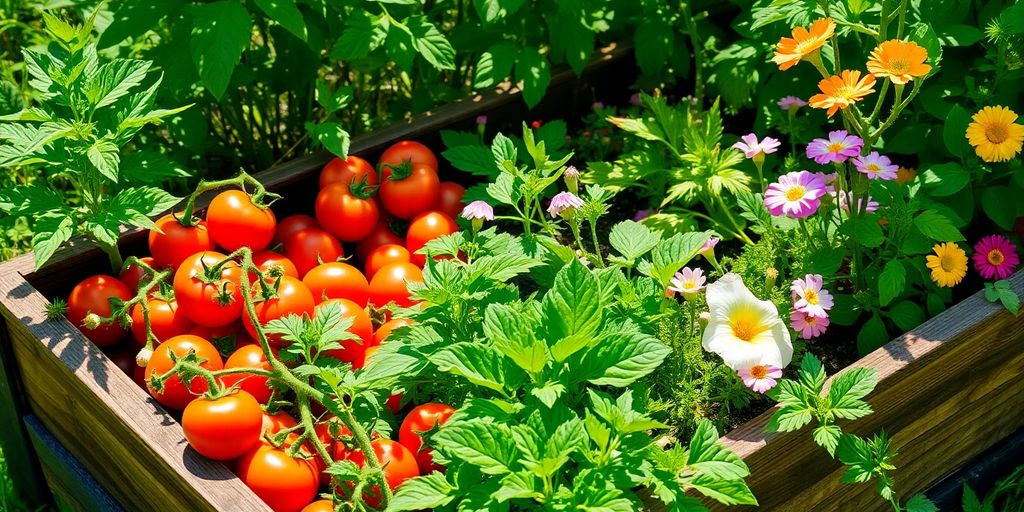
(200, 310)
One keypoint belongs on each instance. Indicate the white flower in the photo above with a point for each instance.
(744, 330)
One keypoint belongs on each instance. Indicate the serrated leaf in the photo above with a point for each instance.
(936, 226)
(620, 358)
(51, 231)
(485, 444)
(480, 364)
(220, 33)
(920, 503)
(515, 337)
(429, 491)
(827, 436)
(812, 373)
(431, 43)
(708, 457)
(106, 158)
(286, 14)
(572, 308)
(114, 79)
(632, 239)
(363, 34)
(727, 492)
(891, 282)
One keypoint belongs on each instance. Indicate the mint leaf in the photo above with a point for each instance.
(220, 33)
(620, 358)
(938, 227)
(572, 308)
(673, 253)
(632, 239)
(483, 443)
(494, 65)
(708, 457)
(429, 491)
(789, 418)
(892, 282)
(998, 291)
(480, 364)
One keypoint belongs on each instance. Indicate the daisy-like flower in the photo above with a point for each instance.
(760, 377)
(797, 194)
(688, 282)
(808, 326)
(792, 103)
(839, 146)
(478, 210)
(564, 203)
(899, 61)
(995, 257)
(876, 166)
(905, 175)
(752, 148)
(830, 182)
(948, 264)
(743, 329)
(809, 297)
(838, 92)
(994, 134)
(867, 204)
(804, 43)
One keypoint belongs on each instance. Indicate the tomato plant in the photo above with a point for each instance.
(398, 462)
(165, 317)
(337, 280)
(347, 212)
(424, 228)
(172, 392)
(248, 356)
(235, 221)
(423, 418)
(172, 242)
(352, 351)
(289, 297)
(389, 284)
(93, 295)
(265, 260)
(310, 247)
(350, 170)
(387, 253)
(409, 190)
(449, 199)
(223, 428)
(207, 289)
(285, 483)
(132, 275)
(382, 333)
(407, 151)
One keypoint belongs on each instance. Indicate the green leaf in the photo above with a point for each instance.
(708, 457)
(30, 200)
(429, 491)
(632, 239)
(789, 418)
(150, 168)
(549, 393)
(954, 131)
(114, 79)
(654, 39)
(332, 136)
(332, 101)
(856, 454)
(52, 229)
(11, 100)
(865, 230)
(673, 253)
(570, 37)
(826, 260)
(572, 308)
(494, 10)
(892, 282)
(105, 157)
(504, 151)
(872, 335)
(827, 436)
(480, 442)
(286, 14)
(1000, 204)
(907, 315)
(480, 364)
(134, 18)
(220, 33)
(136, 205)
(363, 34)
(431, 43)
(515, 337)
(945, 179)
(812, 373)
(534, 72)
(970, 501)
(476, 159)
(960, 35)
(999, 291)
(920, 503)
(853, 383)
(620, 358)
(938, 227)
(494, 65)
(727, 492)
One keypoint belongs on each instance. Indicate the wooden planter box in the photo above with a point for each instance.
(948, 390)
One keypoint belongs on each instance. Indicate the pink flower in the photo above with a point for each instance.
(808, 326)
(752, 148)
(995, 257)
(478, 210)
(708, 249)
(481, 120)
(830, 182)
(839, 146)
(641, 215)
(564, 201)
(689, 282)
(571, 173)
(808, 296)
(797, 194)
(867, 204)
(876, 166)
(792, 103)
(760, 378)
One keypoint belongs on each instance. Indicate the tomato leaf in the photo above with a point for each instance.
(220, 33)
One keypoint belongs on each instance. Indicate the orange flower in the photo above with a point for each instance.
(899, 61)
(842, 91)
(804, 42)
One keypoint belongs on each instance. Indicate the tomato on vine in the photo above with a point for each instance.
(408, 190)
(234, 221)
(408, 151)
(223, 428)
(424, 228)
(248, 356)
(265, 260)
(423, 418)
(290, 297)
(337, 280)
(172, 242)
(209, 296)
(347, 171)
(398, 462)
(175, 394)
(93, 295)
(285, 483)
(131, 275)
(166, 320)
(347, 212)
(311, 247)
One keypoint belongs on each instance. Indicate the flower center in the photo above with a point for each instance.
(996, 133)
(689, 284)
(898, 66)
(811, 296)
(948, 263)
(995, 257)
(872, 168)
(795, 193)
(759, 372)
(836, 147)
(810, 320)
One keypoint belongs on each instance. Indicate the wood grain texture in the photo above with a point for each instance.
(118, 433)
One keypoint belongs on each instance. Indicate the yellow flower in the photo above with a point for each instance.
(948, 264)
(804, 42)
(899, 61)
(994, 135)
(842, 91)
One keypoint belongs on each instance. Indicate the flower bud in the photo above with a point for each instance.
(703, 318)
(91, 321)
(770, 275)
(142, 358)
(572, 179)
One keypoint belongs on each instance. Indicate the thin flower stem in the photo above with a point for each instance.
(739, 230)
(807, 233)
(597, 245)
(878, 104)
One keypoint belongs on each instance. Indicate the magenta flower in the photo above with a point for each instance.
(867, 204)
(752, 148)
(642, 214)
(808, 296)
(839, 146)
(791, 103)
(478, 210)
(481, 120)
(808, 326)
(761, 377)
(688, 282)
(797, 194)
(708, 249)
(562, 202)
(876, 166)
(995, 257)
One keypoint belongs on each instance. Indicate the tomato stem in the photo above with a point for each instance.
(243, 179)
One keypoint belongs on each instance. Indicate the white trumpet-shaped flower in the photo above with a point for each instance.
(744, 330)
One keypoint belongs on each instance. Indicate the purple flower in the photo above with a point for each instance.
(876, 166)
(797, 194)
(481, 120)
(791, 103)
(839, 146)
(634, 99)
(564, 201)
(867, 204)
(641, 215)
(478, 210)
(752, 148)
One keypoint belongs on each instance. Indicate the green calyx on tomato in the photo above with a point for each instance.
(396, 172)
(360, 188)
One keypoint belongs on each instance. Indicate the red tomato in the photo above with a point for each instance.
(311, 247)
(352, 351)
(235, 222)
(293, 224)
(165, 318)
(319, 506)
(337, 280)
(132, 275)
(264, 260)
(274, 423)
(93, 295)
(344, 214)
(285, 483)
(380, 235)
(177, 242)
(406, 151)
(408, 196)
(421, 419)
(398, 462)
(201, 301)
(176, 395)
(249, 356)
(352, 169)
(293, 298)
(385, 329)
(387, 253)
(223, 428)
(424, 228)
(449, 200)
(388, 284)
(394, 403)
